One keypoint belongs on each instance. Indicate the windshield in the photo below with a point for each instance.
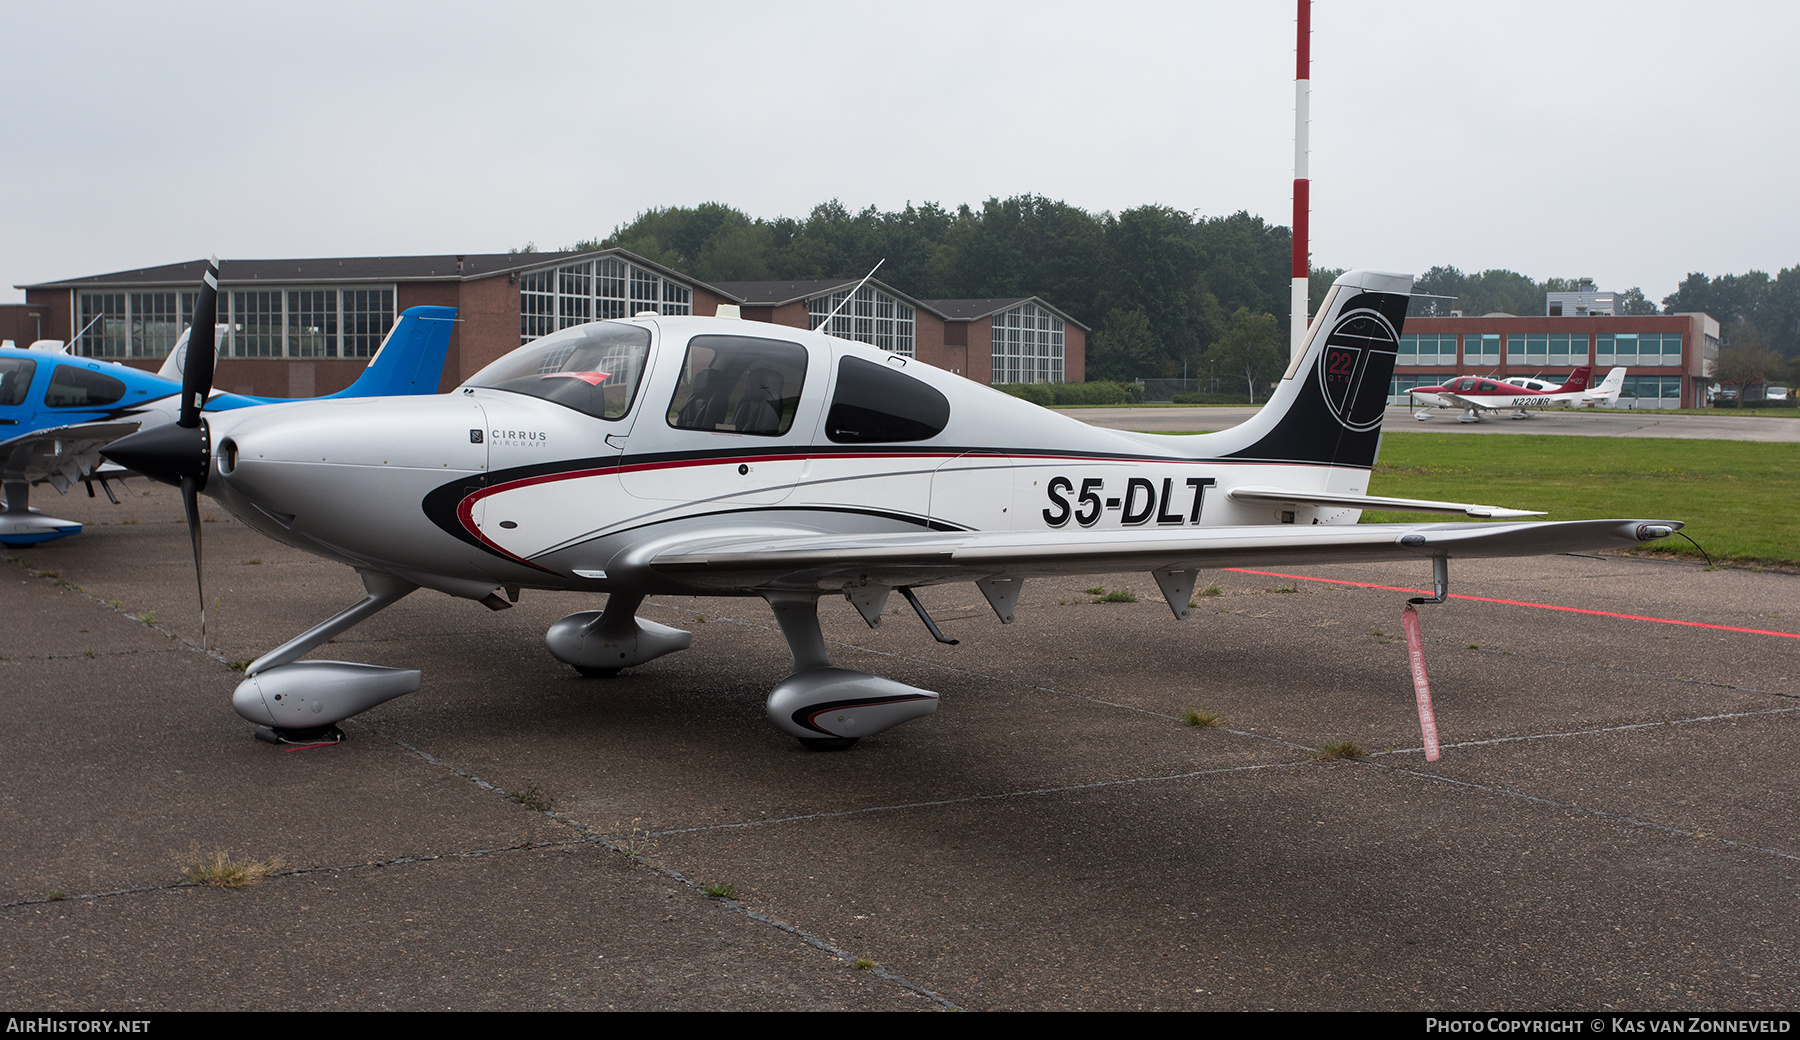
(593, 368)
(15, 379)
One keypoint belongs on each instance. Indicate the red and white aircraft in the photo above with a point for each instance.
(1477, 394)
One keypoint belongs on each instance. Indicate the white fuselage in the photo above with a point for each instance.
(485, 487)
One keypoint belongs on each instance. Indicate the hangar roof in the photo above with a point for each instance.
(437, 268)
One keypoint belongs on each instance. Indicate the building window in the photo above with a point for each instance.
(593, 290)
(1028, 346)
(1530, 350)
(1427, 349)
(1651, 392)
(537, 305)
(1644, 349)
(297, 322)
(613, 276)
(157, 321)
(368, 315)
(873, 317)
(1482, 351)
(256, 324)
(312, 323)
(302, 322)
(1568, 349)
(104, 326)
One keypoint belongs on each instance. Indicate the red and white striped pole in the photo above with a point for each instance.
(1302, 183)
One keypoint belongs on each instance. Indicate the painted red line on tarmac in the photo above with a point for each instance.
(1523, 603)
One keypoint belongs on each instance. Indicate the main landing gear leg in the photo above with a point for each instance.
(600, 643)
(826, 708)
(301, 702)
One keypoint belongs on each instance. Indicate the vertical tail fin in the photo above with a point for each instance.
(1327, 410)
(411, 359)
(1610, 387)
(1578, 380)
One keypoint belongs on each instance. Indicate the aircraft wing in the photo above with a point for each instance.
(60, 454)
(1459, 401)
(810, 560)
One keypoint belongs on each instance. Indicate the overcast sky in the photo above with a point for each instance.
(1630, 142)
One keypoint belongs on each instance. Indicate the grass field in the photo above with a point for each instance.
(1738, 497)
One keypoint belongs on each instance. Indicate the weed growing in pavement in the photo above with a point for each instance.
(532, 797)
(221, 871)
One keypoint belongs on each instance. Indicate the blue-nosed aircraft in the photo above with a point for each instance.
(58, 410)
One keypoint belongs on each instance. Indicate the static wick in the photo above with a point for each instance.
(1415, 654)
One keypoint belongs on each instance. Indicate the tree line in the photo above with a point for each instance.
(1165, 292)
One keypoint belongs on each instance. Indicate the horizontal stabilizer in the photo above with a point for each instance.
(1397, 505)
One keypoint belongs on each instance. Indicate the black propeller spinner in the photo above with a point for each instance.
(181, 454)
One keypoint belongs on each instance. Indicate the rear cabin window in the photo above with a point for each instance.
(878, 403)
(737, 384)
(73, 387)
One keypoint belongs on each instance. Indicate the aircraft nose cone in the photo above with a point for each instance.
(166, 453)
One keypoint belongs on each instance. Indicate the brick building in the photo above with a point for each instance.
(1668, 357)
(303, 327)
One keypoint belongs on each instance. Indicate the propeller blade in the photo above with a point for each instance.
(197, 373)
(190, 504)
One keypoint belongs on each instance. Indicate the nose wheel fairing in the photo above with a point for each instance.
(299, 701)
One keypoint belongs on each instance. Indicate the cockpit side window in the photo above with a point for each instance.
(594, 368)
(878, 403)
(739, 384)
(15, 380)
(72, 386)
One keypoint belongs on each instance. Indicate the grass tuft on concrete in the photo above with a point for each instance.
(221, 871)
(1333, 752)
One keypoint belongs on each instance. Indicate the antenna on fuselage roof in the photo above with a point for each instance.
(851, 295)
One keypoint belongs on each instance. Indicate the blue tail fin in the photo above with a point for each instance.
(411, 359)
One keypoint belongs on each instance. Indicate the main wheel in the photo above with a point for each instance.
(828, 743)
(596, 673)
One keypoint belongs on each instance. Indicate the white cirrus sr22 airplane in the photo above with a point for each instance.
(719, 457)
